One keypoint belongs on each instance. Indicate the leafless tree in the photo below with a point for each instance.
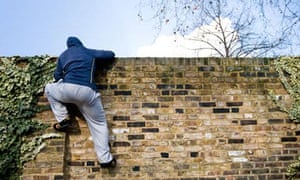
(258, 27)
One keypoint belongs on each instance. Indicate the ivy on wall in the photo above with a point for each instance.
(289, 73)
(22, 81)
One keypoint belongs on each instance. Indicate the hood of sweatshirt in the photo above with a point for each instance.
(73, 41)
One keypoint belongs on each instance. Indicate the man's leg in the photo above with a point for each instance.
(94, 114)
(54, 93)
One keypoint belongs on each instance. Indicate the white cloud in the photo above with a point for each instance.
(187, 46)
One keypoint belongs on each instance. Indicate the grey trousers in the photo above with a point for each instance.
(89, 103)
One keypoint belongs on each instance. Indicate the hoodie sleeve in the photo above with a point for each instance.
(58, 73)
(102, 54)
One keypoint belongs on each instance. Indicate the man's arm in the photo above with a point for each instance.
(58, 73)
(102, 54)
(105, 59)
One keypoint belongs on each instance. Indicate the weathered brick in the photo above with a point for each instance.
(207, 104)
(234, 103)
(206, 68)
(198, 118)
(150, 105)
(182, 92)
(221, 110)
(164, 155)
(136, 168)
(248, 122)
(151, 117)
(150, 130)
(136, 137)
(121, 118)
(136, 124)
(275, 121)
(288, 139)
(119, 144)
(235, 141)
(123, 93)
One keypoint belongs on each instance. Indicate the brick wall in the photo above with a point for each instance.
(182, 118)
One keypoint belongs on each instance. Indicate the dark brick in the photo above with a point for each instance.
(235, 141)
(221, 110)
(288, 139)
(150, 105)
(102, 87)
(58, 177)
(260, 171)
(151, 117)
(261, 74)
(234, 103)
(96, 169)
(248, 74)
(136, 168)
(121, 144)
(136, 137)
(262, 177)
(207, 104)
(182, 92)
(189, 179)
(194, 154)
(136, 124)
(192, 98)
(164, 155)
(165, 99)
(234, 121)
(190, 86)
(165, 92)
(248, 122)
(179, 86)
(206, 68)
(234, 68)
(297, 133)
(273, 74)
(113, 86)
(275, 176)
(292, 145)
(75, 163)
(122, 93)
(275, 121)
(230, 172)
(121, 118)
(285, 158)
(150, 130)
(90, 163)
(258, 159)
(274, 109)
(235, 110)
(165, 86)
(179, 111)
(247, 165)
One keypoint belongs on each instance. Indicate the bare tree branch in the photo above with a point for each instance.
(258, 27)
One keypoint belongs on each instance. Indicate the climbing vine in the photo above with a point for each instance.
(22, 80)
(289, 73)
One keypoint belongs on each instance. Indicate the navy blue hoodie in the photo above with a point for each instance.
(77, 64)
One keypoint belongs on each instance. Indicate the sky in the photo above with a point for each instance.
(40, 27)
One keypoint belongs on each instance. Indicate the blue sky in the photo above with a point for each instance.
(39, 27)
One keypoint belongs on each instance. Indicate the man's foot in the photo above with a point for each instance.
(111, 164)
(63, 125)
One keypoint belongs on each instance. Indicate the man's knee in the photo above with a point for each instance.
(48, 88)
